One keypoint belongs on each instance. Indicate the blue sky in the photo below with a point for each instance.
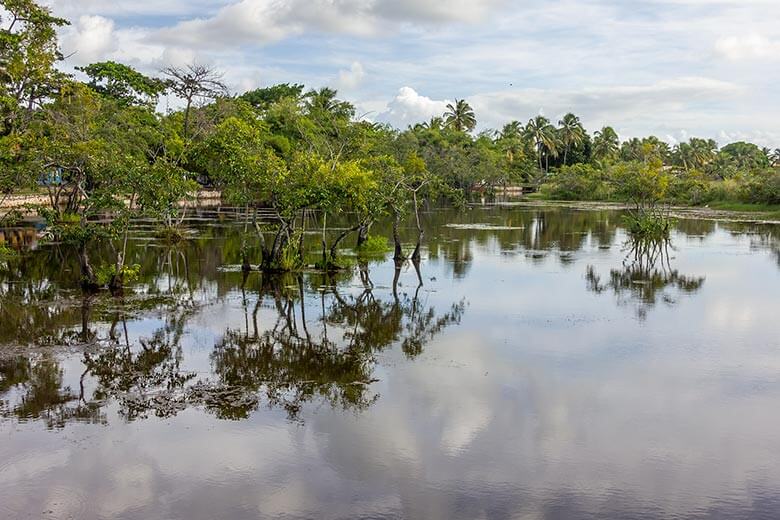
(673, 68)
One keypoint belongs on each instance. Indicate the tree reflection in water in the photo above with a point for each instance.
(646, 277)
(329, 357)
(300, 356)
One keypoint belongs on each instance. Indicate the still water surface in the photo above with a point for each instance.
(533, 368)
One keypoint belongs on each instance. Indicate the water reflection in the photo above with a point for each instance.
(489, 381)
(646, 277)
(310, 350)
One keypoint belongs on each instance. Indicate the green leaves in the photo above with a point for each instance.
(124, 84)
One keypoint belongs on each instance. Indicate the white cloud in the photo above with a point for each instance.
(752, 46)
(409, 107)
(89, 39)
(662, 67)
(350, 78)
(263, 21)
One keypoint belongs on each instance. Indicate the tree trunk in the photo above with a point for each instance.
(324, 243)
(399, 253)
(245, 265)
(362, 235)
(334, 247)
(187, 117)
(420, 232)
(88, 278)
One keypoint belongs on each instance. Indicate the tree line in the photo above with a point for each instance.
(103, 154)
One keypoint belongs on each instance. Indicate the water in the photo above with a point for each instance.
(540, 371)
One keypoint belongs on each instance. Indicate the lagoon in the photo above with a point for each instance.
(533, 367)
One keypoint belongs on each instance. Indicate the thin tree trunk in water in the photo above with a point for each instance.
(399, 254)
(245, 266)
(420, 232)
(344, 234)
(324, 244)
(300, 238)
(88, 278)
(363, 232)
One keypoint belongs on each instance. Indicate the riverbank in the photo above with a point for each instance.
(747, 213)
(21, 202)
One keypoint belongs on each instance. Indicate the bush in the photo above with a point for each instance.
(374, 245)
(762, 187)
(577, 182)
(647, 226)
(106, 272)
(690, 187)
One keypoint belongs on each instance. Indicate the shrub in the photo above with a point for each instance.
(374, 245)
(577, 182)
(762, 187)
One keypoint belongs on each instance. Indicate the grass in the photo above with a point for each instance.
(745, 207)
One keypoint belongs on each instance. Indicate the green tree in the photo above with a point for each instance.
(124, 84)
(542, 133)
(460, 116)
(746, 156)
(193, 83)
(571, 133)
(262, 98)
(28, 53)
(606, 144)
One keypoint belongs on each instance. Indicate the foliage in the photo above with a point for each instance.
(264, 98)
(578, 182)
(648, 226)
(374, 245)
(123, 83)
(107, 272)
(295, 161)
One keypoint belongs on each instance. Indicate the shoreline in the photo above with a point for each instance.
(679, 212)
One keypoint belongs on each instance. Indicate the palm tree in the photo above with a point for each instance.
(542, 134)
(703, 152)
(510, 139)
(513, 130)
(571, 133)
(606, 143)
(683, 155)
(324, 102)
(460, 116)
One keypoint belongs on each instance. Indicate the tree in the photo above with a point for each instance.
(460, 116)
(262, 98)
(323, 104)
(542, 134)
(124, 84)
(746, 156)
(192, 83)
(606, 144)
(28, 52)
(571, 133)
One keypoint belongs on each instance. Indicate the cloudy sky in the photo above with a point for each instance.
(673, 68)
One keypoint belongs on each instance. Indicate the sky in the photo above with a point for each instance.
(671, 68)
